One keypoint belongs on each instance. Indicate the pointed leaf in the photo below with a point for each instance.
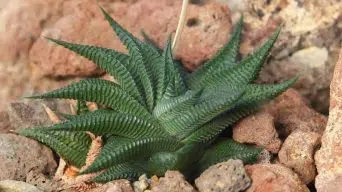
(243, 73)
(72, 146)
(173, 106)
(102, 92)
(228, 149)
(138, 149)
(134, 47)
(155, 66)
(224, 59)
(174, 82)
(128, 171)
(104, 121)
(259, 93)
(109, 138)
(213, 128)
(115, 63)
(184, 124)
(254, 96)
(151, 42)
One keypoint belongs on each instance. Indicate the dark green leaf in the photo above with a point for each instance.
(243, 73)
(135, 150)
(116, 64)
(228, 149)
(187, 122)
(128, 171)
(224, 59)
(72, 146)
(105, 121)
(151, 42)
(102, 92)
(169, 108)
(213, 128)
(138, 53)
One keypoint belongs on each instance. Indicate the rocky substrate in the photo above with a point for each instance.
(288, 129)
(302, 146)
(308, 44)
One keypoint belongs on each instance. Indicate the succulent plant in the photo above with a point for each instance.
(158, 116)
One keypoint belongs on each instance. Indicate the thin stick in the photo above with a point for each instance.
(52, 115)
(62, 164)
(180, 26)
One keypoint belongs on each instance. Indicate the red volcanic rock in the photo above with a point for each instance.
(297, 153)
(258, 129)
(208, 27)
(274, 178)
(329, 157)
(291, 112)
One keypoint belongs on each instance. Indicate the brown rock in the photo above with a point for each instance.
(54, 60)
(328, 183)
(17, 186)
(328, 158)
(291, 112)
(307, 27)
(313, 83)
(115, 186)
(3, 4)
(310, 31)
(142, 184)
(42, 181)
(27, 115)
(227, 176)
(172, 181)
(274, 178)
(264, 157)
(207, 29)
(297, 153)
(31, 113)
(258, 129)
(235, 6)
(5, 124)
(21, 22)
(14, 81)
(20, 155)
